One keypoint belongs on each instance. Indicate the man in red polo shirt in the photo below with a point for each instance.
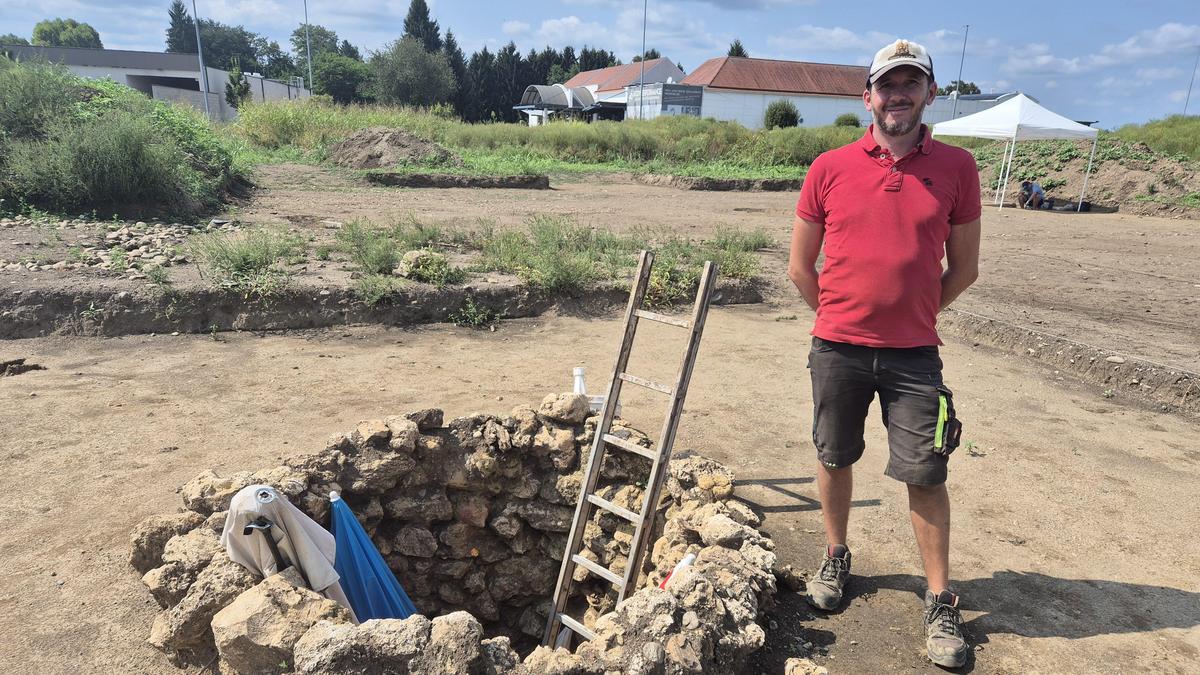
(888, 208)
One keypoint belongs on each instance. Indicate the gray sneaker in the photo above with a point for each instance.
(825, 591)
(944, 641)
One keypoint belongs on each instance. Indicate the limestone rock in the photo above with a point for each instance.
(375, 471)
(801, 666)
(370, 434)
(209, 492)
(152, 534)
(454, 646)
(404, 434)
(523, 577)
(377, 646)
(420, 506)
(184, 628)
(169, 583)
(256, 632)
(415, 541)
(722, 531)
(471, 509)
(426, 420)
(569, 408)
(546, 517)
(194, 549)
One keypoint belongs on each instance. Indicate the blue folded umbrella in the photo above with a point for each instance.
(366, 579)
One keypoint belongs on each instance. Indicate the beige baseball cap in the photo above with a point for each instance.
(900, 53)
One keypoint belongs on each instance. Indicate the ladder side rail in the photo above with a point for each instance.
(563, 587)
(658, 470)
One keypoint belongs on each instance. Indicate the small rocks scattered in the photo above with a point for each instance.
(125, 248)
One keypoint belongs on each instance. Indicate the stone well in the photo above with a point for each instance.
(472, 517)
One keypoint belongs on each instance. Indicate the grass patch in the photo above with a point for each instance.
(1174, 135)
(373, 289)
(248, 262)
(375, 249)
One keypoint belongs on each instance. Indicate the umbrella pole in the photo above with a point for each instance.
(1000, 176)
(1087, 173)
(1011, 156)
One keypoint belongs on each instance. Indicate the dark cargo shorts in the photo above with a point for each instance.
(917, 408)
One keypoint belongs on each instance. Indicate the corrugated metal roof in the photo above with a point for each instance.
(793, 77)
(613, 77)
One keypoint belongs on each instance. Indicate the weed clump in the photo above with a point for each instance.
(250, 262)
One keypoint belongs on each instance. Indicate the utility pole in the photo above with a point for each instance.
(307, 47)
(958, 83)
(200, 53)
(642, 76)
(1188, 98)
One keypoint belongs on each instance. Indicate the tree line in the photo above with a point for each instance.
(423, 67)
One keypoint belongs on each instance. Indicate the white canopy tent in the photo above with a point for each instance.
(1019, 119)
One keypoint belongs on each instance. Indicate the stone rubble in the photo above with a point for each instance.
(117, 247)
(472, 517)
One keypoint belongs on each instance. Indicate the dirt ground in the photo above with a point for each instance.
(1073, 547)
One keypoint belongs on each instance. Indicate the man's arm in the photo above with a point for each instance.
(802, 263)
(962, 261)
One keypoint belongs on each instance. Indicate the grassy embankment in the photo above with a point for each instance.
(70, 145)
(682, 146)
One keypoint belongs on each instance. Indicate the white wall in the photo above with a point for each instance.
(119, 74)
(748, 107)
(218, 108)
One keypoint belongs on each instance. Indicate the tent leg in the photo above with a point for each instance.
(1000, 178)
(1012, 155)
(1087, 173)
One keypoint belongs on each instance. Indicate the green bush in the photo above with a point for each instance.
(67, 143)
(781, 114)
(115, 163)
(847, 120)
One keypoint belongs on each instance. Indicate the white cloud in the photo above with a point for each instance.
(1153, 74)
(514, 27)
(571, 30)
(1051, 84)
(808, 41)
(1169, 38)
(1177, 96)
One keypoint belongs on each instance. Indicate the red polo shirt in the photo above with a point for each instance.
(886, 224)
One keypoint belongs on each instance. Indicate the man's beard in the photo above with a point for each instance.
(900, 128)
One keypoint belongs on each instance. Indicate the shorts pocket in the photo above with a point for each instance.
(948, 432)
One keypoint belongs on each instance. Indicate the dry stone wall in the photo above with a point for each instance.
(471, 515)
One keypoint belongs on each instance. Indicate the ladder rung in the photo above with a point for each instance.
(662, 318)
(597, 570)
(613, 508)
(649, 384)
(631, 447)
(576, 626)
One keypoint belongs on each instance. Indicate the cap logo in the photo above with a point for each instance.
(901, 51)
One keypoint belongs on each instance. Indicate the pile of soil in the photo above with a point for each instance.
(381, 147)
(1139, 181)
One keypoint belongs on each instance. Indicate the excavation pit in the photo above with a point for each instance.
(472, 516)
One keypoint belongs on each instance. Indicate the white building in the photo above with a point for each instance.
(740, 89)
(159, 75)
(594, 94)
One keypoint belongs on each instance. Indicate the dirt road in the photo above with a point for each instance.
(1074, 517)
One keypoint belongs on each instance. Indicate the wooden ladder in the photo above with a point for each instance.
(644, 520)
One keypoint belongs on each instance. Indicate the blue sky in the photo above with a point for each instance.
(1115, 62)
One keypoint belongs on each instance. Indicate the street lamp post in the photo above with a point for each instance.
(958, 83)
(642, 75)
(200, 53)
(308, 47)
(1188, 98)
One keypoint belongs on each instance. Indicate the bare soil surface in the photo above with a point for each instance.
(1061, 550)
(383, 148)
(1074, 505)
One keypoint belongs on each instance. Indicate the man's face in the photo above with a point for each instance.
(898, 98)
